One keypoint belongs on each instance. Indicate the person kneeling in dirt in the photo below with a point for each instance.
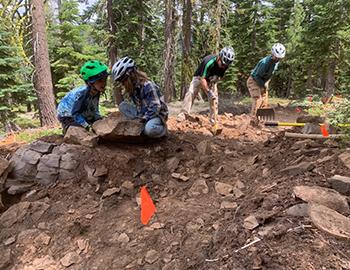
(148, 103)
(258, 81)
(210, 70)
(80, 106)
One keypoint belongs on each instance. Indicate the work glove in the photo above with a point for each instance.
(88, 128)
(142, 120)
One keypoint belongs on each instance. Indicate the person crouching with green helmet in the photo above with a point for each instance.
(80, 107)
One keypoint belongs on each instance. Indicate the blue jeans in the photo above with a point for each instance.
(154, 127)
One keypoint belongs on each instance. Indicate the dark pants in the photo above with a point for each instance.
(67, 122)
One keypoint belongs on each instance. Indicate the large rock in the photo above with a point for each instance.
(116, 127)
(24, 171)
(311, 128)
(19, 188)
(310, 119)
(46, 175)
(69, 162)
(330, 221)
(42, 147)
(23, 211)
(14, 214)
(31, 157)
(340, 184)
(5, 167)
(299, 169)
(78, 135)
(24, 163)
(324, 196)
(345, 158)
(51, 160)
(66, 175)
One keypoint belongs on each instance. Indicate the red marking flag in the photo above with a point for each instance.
(324, 131)
(147, 206)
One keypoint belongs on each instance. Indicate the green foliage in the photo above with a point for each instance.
(340, 114)
(77, 45)
(24, 122)
(31, 135)
(12, 91)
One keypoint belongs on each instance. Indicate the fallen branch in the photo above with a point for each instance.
(312, 136)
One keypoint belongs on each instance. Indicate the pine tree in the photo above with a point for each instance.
(10, 91)
(77, 46)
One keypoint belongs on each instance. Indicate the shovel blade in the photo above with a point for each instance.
(266, 114)
(216, 130)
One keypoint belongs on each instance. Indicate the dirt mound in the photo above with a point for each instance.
(214, 195)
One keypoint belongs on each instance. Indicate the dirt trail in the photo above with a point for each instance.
(196, 227)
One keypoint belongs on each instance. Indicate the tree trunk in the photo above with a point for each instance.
(186, 71)
(112, 49)
(290, 82)
(142, 30)
(254, 26)
(169, 80)
(218, 25)
(329, 81)
(309, 80)
(42, 73)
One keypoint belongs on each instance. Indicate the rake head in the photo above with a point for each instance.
(266, 114)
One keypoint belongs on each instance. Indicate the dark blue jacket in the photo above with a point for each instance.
(80, 105)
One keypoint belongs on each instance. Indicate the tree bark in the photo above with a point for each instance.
(290, 82)
(253, 35)
(42, 73)
(186, 71)
(169, 80)
(112, 50)
(218, 25)
(142, 30)
(329, 82)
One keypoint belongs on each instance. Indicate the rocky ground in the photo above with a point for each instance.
(246, 199)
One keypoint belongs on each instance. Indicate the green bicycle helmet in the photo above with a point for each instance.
(93, 70)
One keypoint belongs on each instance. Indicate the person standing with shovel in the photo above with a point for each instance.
(209, 72)
(258, 82)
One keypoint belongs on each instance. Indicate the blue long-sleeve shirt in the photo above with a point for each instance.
(150, 102)
(263, 70)
(80, 105)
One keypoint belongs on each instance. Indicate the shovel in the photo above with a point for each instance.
(265, 114)
(215, 129)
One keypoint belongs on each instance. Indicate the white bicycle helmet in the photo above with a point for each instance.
(121, 67)
(278, 50)
(227, 55)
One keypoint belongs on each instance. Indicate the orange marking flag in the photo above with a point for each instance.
(147, 206)
(324, 131)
